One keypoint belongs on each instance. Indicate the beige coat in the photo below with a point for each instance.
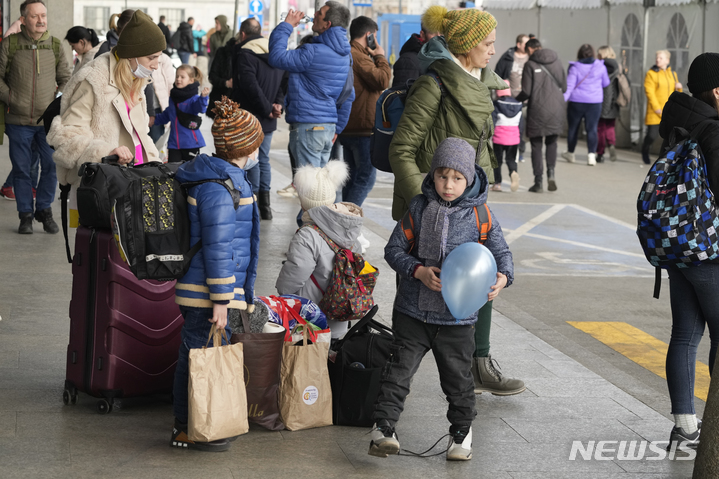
(163, 80)
(85, 58)
(93, 121)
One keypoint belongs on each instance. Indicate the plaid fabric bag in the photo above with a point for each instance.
(677, 216)
(349, 295)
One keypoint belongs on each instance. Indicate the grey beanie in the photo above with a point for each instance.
(457, 154)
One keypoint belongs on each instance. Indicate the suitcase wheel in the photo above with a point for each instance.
(104, 406)
(69, 396)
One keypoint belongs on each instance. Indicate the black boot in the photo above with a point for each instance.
(264, 203)
(551, 182)
(25, 224)
(537, 187)
(48, 224)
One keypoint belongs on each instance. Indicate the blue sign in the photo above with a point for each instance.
(256, 7)
(362, 3)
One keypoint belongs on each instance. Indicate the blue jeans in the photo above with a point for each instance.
(694, 293)
(261, 174)
(311, 143)
(184, 57)
(591, 113)
(195, 333)
(21, 156)
(34, 169)
(362, 173)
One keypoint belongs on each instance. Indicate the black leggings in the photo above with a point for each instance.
(652, 134)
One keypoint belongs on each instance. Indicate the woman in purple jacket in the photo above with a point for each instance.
(586, 80)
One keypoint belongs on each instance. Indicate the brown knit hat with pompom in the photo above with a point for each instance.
(237, 132)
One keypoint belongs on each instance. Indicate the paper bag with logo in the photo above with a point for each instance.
(305, 391)
(216, 390)
(263, 356)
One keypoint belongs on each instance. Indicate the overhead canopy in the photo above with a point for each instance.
(661, 3)
(626, 2)
(573, 4)
(508, 4)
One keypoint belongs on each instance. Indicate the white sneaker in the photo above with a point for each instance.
(460, 444)
(514, 178)
(384, 440)
(569, 156)
(364, 243)
(288, 191)
(591, 159)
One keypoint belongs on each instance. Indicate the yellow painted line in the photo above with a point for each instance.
(642, 348)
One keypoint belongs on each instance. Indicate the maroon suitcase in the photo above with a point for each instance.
(124, 332)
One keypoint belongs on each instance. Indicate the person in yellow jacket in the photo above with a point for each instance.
(659, 84)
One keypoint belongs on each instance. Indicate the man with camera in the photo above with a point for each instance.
(371, 76)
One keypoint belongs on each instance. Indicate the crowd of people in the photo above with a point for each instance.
(462, 121)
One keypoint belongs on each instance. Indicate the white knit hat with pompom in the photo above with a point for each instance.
(318, 186)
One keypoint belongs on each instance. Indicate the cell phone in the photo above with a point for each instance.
(371, 43)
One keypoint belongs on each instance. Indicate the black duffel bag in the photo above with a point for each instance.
(356, 365)
(102, 183)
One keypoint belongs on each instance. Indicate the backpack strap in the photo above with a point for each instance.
(482, 216)
(657, 281)
(228, 184)
(324, 236)
(407, 225)
(64, 195)
(55, 46)
(442, 89)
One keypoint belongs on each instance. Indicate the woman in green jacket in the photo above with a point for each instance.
(459, 106)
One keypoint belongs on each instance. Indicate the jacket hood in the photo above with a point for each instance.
(336, 39)
(223, 23)
(508, 106)
(185, 26)
(480, 179)
(544, 56)
(612, 67)
(342, 222)
(206, 167)
(436, 49)
(684, 111)
(412, 45)
(258, 45)
(584, 68)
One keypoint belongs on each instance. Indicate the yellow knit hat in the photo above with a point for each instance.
(237, 132)
(462, 29)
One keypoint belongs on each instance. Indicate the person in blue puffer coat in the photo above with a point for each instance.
(318, 72)
(185, 136)
(222, 274)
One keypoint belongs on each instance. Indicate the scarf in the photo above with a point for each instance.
(433, 234)
(178, 95)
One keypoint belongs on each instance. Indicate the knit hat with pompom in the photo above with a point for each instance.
(237, 132)
(318, 186)
(462, 29)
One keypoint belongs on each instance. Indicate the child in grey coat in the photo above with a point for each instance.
(444, 218)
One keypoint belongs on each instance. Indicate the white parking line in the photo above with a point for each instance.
(537, 220)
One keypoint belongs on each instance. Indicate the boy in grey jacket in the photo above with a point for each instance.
(443, 218)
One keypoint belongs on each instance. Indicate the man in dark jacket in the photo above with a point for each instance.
(371, 78)
(166, 32)
(186, 40)
(511, 65)
(407, 65)
(543, 83)
(259, 89)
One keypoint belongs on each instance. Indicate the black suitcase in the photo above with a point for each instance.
(356, 364)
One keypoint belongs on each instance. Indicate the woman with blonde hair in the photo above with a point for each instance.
(659, 83)
(103, 111)
(606, 136)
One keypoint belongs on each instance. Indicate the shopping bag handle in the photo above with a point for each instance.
(218, 335)
(304, 332)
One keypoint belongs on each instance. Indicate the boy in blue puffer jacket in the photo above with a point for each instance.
(443, 218)
(185, 137)
(222, 274)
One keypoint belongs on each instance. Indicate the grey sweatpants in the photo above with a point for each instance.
(452, 347)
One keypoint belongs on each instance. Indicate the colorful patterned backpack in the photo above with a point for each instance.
(349, 294)
(677, 215)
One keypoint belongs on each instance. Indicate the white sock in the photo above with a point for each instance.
(688, 422)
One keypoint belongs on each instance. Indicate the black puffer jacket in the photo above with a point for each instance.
(686, 112)
(546, 110)
(504, 65)
(610, 109)
(220, 72)
(187, 41)
(407, 65)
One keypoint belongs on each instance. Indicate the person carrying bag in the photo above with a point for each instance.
(217, 396)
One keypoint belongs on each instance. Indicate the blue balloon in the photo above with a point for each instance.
(467, 275)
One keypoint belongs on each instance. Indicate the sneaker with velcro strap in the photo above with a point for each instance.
(384, 440)
(460, 443)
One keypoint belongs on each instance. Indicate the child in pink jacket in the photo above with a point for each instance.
(506, 116)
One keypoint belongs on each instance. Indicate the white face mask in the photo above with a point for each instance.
(252, 161)
(141, 71)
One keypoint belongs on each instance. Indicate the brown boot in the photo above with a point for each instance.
(488, 378)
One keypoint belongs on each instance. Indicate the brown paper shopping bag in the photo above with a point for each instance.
(216, 391)
(305, 391)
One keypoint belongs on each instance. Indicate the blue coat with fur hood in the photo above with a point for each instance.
(318, 72)
(462, 229)
(225, 268)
